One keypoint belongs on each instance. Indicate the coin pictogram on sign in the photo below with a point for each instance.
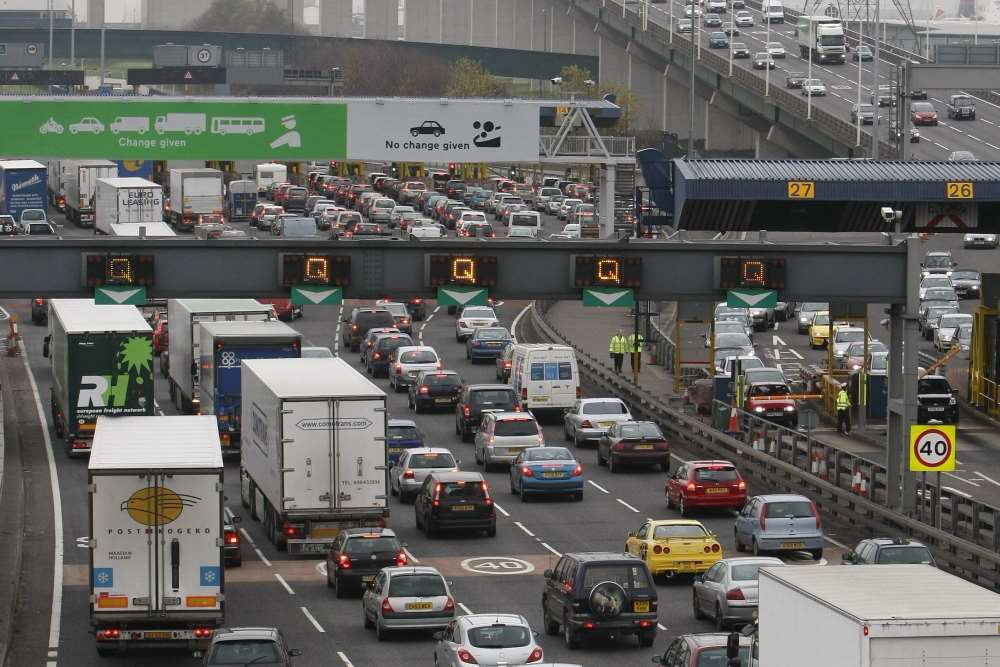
(497, 565)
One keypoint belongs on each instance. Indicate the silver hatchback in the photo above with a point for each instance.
(504, 435)
(407, 598)
(408, 473)
(487, 640)
(590, 418)
(727, 592)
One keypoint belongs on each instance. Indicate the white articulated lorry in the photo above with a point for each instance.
(313, 461)
(184, 315)
(155, 500)
(874, 616)
(821, 38)
(194, 192)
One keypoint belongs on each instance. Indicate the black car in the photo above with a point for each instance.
(357, 555)
(740, 50)
(455, 501)
(417, 307)
(763, 60)
(434, 389)
(295, 200)
(232, 548)
(718, 40)
(889, 551)
(711, 21)
(936, 401)
(428, 127)
(478, 397)
(360, 321)
(600, 594)
(795, 79)
(377, 359)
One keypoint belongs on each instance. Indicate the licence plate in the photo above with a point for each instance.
(157, 635)
(442, 400)
(718, 489)
(774, 414)
(605, 424)
(552, 475)
(462, 508)
(793, 545)
(935, 409)
(396, 450)
(643, 447)
(495, 344)
(640, 606)
(367, 578)
(419, 605)
(540, 399)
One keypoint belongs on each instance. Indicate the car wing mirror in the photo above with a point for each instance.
(439, 635)
(294, 652)
(236, 518)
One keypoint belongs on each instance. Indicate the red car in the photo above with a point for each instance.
(283, 309)
(923, 113)
(706, 484)
(281, 192)
(161, 337)
(771, 401)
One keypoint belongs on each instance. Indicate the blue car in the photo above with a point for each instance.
(545, 471)
(487, 343)
(403, 435)
(779, 522)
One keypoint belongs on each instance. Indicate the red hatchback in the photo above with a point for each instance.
(706, 484)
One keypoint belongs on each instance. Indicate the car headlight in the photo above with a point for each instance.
(952, 401)
(947, 273)
(839, 354)
(855, 367)
(803, 320)
(758, 409)
(789, 408)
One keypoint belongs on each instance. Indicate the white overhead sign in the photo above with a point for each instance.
(449, 131)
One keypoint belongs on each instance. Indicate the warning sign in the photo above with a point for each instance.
(932, 448)
(946, 216)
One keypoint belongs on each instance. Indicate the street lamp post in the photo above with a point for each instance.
(875, 92)
(767, 40)
(52, 11)
(861, 40)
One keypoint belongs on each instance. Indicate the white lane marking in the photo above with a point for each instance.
(777, 341)
(501, 510)
(521, 526)
(661, 626)
(262, 557)
(312, 620)
(974, 138)
(410, 557)
(987, 121)
(777, 354)
(961, 479)
(513, 327)
(228, 512)
(836, 543)
(796, 354)
(961, 493)
(597, 486)
(546, 545)
(465, 609)
(57, 518)
(284, 583)
(987, 478)
(996, 148)
(622, 502)
(247, 537)
(159, 410)
(343, 659)
(944, 148)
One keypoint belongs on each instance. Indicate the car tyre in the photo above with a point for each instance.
(720, 620)
(570, 638)
(739, 545)
(698, 613)
(367, 621)
(578, 496)
(817, 554)
(612, 466)
(380, 631)
(757, 551)
(601, 461)
(681, 506)
(646, 639)
(670, 502)
(339, 588)
(551, 627)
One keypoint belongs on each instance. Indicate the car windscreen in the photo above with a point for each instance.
(371, 545)
(763, 390)
(548, 454)
(492, 397)
(921, 107)
(880, 362)
(764, 375)
(849, 336)
(789, 509)
(604, 408)
(397, 309)
(404, 433)
(367, 319)
(462, 491)
(692, 531)
(625, 575)
(641, 430)
(515, 427)
(936, 281)
(715, 656)
(937, 261)
(732, 340)
(729, 326)
(442, 380)
(432, 460)
(417, 586)
(479, 313)
(244, 652)
(941, 294)
(524, 220)
(715, 474)
(418, 357)
(821, 319)
(499, 636)
(965, 275)
(933, 386)
(37, 228)
(907, 555)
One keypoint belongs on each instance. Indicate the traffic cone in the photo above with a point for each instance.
(734, 422)
(856, 479)
(814, 462)
(823, 472)
(864, 486)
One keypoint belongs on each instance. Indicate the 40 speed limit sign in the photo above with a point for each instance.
(932, 448)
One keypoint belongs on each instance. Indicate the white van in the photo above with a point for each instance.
(773, 11)
(545, 377)
(530, 220)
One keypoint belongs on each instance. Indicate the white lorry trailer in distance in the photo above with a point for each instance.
(313, 461)
(874, 616)
(126, 201)
(79, 186)
(155, 500)
(268, 173)
(185, 340)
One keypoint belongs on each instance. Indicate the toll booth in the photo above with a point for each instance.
(984, 363)
(877, 394)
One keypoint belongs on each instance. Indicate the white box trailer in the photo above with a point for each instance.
(194, 192)
(313, 460)
(874, 616)
(156, 504)
(126, 201)
(184, 315)
(149, 230)
(79, 186)
(268, 173)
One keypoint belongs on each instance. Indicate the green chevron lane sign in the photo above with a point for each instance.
(608, 297)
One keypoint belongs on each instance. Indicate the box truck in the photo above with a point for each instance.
(156, 529)
(79, 187)
(126, 201)
(874, 615)
(823, 37)
(266, 174)
(23, 184)
(224, 345)
(241, 197)
(57, 198)
(314, 456)
(194, 192)
(101, 359)
(183, 352)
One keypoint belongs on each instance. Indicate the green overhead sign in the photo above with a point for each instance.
(309, 295)
(112, 295)
(752, 298)
(463, 296)
(608, 297)
(173, 129)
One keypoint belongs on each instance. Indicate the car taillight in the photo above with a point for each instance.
(536, 655)
(506, 364)
(291, 530)
(423, 389)
(715, 548)
(203, 633)
(386, 606)
(401, 559)
(657, 549)
(110, 633)
(527, 472)
(466, 657)
(407, 474)
(586, 424)
(742, 486)
(579, 392)
(691, 486)
(618, 446)
(449, 604)
(436, 501)
(439, 365)
(463, 324)
(354, 327)
(763, 515)
(376, 356)
(398, 369)
(39, 302)
(577, 471)
(517, 408)
(816, 514)
(735, 594)
(344, 562)
(232, 537)
(486, 492)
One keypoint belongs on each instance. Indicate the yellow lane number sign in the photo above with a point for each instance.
(959, 190)
(801, 189)
(932, 448)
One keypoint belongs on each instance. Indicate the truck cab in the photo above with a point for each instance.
(961, 107)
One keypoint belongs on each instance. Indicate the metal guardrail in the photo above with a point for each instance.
(964, 535)
(663, 346)
(589, 147)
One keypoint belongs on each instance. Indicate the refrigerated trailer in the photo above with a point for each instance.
(313, 461)
(79, 187)
(155, 504)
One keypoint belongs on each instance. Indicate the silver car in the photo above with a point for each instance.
(589, 418)
(727, 593)
(947, 328)
(407, 598)
(408, 473)
(487, 640)
(844, 336)
(735, 341)
(504, 435)
(472, 318)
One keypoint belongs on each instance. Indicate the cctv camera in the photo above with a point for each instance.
(888, 214)
(556, 80)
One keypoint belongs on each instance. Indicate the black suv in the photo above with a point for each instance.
(936, 401)
(889, 551)
(360, 321)
(455, 501)
(475, 398)
(608, 594)
(377, 359)
(358, 554)
(435, 389)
